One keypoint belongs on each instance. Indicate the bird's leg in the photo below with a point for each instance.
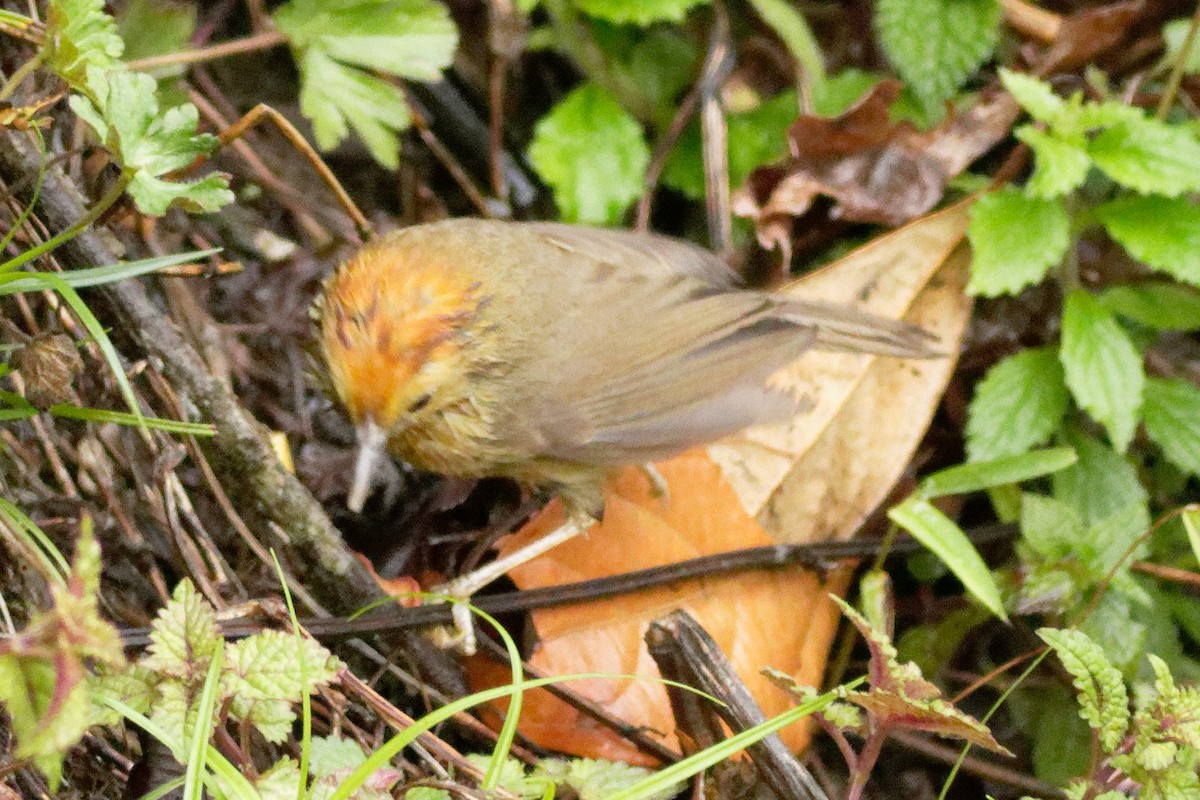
(466, 585)
(658, 482)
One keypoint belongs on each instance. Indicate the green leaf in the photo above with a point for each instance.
(755, 137)
(1191, 524)
(184, 635)
(80, 35)
(591, 152)
(1015, 239)
(268, 675)
(1110, 540)
(594, 778)
(1060, 166)
(1051, 527)
(1036, 96)
(1062, 741)
(337, 45)
(410, 38)
(149, 143)
(1103, 482)
(337, 98)
(1174, 35)
(1172, 415)
(154, 27)
(1164, 306)
(637, 12)
(1102, 367)
(980, 475)
(1149, 156)
(1103, 700)
(659, 62)
(938, 532)
(97, 276)
(838, 92)
(936, 45)
(1019, 403)
(1159, 231)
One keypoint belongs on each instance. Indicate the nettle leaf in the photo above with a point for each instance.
(936, 45)
(641, 12)
(337, 97)
(592, 153)
(1015, 239)
(1103, 700)
(184, 636)
(1101, 484)
(1102, 367)
(1018, 405)
(1060, 166)
(268, 674)
(1149, 156)
(44, 679)
(80, 35)
(337, 45)
(1162, 232)
(410, 38)
(1036, 96)
(149, 143)
(593, 778)
(756, 137)
(1051, 527)
(1163, 306)
(1172, 415)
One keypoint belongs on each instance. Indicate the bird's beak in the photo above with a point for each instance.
(371, 441)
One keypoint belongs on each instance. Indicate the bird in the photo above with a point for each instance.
(554, 354)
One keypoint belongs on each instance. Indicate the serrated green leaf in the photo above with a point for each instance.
(1015, 240)
(1149, 156)
(281, 782)
(409, 38)
(80, 35)
(594, 778)
(337, 98)
(1109, 540)
(592, 153)
(1036, 96)
(756, 137)
(1102, 367)
(1101, 484)
(331, 754)
(979, 475)
(1019, 403)
(637, 12)
(936, 45)
(941, 535)
(1104, 702)
(1172, 416)
(184, 635)
(1119, 625)
(1163, 306)
(1162, 232)
(1059, 166)
(149, 143)
(1051, 527)
(267, 675)
(337, 44)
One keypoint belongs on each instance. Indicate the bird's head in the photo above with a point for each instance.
(391, 335)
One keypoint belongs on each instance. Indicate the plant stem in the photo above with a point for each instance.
(250, 44)
(1176, 76)
(103, 204)
(22, 72)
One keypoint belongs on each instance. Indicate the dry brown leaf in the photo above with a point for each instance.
(818, 476)
(875, 170)
(744, 613)
(821, 473)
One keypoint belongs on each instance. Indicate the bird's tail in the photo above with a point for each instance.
(846, 329)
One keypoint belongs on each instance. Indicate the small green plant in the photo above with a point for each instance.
(1152, 753)
(897, 697)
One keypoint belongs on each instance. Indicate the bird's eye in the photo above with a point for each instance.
(420, 403)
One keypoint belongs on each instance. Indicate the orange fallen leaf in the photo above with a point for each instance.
(742, 613)
(816, 477)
